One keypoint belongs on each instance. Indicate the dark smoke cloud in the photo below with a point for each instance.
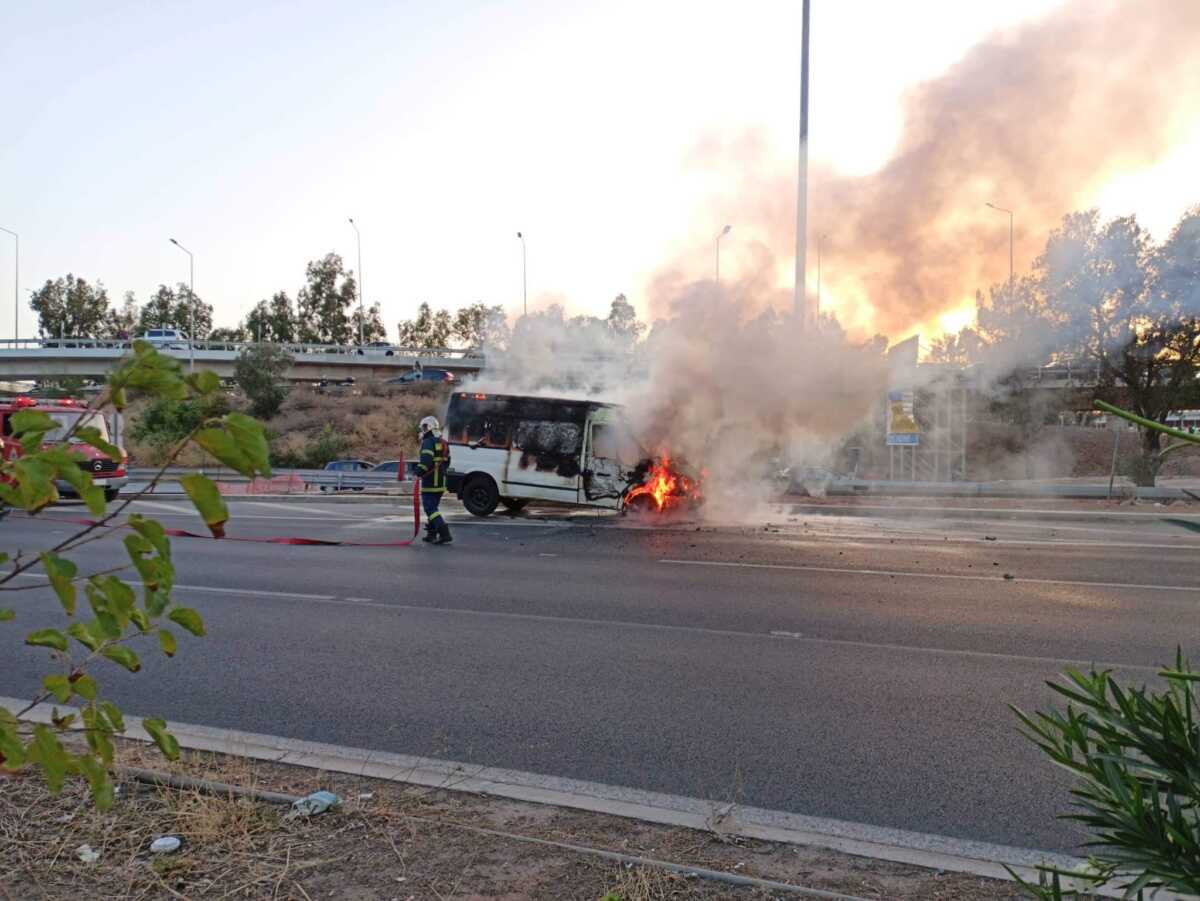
(1032, 119)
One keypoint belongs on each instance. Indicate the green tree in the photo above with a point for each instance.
(623, 322)
(174, 308)
(1128, 309)
(122, 322)
(273, 320)
(121, 616)
(70, 307)
(260, 372)
(479, 325)
(373, 328)
(428, 330)
(324, 301)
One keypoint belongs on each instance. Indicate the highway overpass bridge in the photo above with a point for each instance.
(40, 360)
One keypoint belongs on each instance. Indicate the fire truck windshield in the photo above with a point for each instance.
(66, 422)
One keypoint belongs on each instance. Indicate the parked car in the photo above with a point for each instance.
(165, 338)
(410, 467)
(421, 375)
(347, 466)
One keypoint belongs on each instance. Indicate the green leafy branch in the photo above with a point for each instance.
(1136, 755)
(28, 474)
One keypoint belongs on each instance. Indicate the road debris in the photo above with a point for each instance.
(167, 844)
(311, 805)
(87, 854)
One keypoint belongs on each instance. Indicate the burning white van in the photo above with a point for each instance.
(509, 449)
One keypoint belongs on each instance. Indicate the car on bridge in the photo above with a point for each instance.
(109, 474)
(165, 338)
(422, 375)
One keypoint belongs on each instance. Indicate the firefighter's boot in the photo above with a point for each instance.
(443, 532)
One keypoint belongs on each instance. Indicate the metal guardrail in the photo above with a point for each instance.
(325, 479)
(296, 348)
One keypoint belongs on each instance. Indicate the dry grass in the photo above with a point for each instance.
(388, 840)
(378, 422)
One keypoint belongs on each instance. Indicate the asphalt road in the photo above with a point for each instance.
(851, 668)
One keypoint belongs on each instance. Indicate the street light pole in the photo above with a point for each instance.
(191, 306)
(820, 238)
(1001, 209)
(524, 280)
(361, 315)
(723, 233)
(16, 284)
(799, 301)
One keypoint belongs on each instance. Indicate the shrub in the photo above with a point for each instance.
(328, 445)
(1135, 752)
(166, 421)
(259, 372)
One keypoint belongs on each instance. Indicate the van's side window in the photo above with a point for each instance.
(549, 446)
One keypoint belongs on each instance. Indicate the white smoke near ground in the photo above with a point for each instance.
(728, 390)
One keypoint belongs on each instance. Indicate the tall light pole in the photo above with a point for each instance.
(524, 281)
(16, 284)
(191, 306)
(800, 302)
(723, 233)
(1001, 209)
(361, 315)
(820, 239)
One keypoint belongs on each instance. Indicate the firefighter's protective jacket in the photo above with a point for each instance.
(435, 460)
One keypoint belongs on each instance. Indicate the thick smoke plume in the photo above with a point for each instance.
(1032, 119)
(728, 381)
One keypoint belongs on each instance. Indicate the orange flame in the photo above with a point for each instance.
(662, 485)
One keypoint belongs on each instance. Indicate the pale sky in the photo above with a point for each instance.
(250, 131)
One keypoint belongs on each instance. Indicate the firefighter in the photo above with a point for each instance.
(435, 460)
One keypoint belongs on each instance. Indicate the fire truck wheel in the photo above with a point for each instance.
(480, 495)
(110, 494)
(514, 504)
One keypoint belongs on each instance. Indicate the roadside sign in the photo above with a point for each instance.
(902, 428)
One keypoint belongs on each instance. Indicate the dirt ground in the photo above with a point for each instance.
(390, 841)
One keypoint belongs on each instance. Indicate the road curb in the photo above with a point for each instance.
(881, 843)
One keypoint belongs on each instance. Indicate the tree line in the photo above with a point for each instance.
(324, 311)
(1104, 297)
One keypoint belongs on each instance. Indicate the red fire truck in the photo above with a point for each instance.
(106, 473)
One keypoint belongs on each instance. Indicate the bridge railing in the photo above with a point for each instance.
(296, 348)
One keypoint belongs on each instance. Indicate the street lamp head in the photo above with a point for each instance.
(726, 229)
(521, 236)
(173, 241)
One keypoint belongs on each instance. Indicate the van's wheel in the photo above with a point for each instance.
(480, 495)
(514, 504)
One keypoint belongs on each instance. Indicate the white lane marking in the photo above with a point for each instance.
(296, 508)
(171, 508)
(911, 575)
(1001, 512)
(656, 627)
(547, 555)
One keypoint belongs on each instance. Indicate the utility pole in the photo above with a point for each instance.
(524, 282)
(16, 286)
(1000, 209)
(191, 306)
(361, 315)
(800, 302)
(723, 233)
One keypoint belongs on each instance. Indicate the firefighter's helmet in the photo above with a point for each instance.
(430, 424)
